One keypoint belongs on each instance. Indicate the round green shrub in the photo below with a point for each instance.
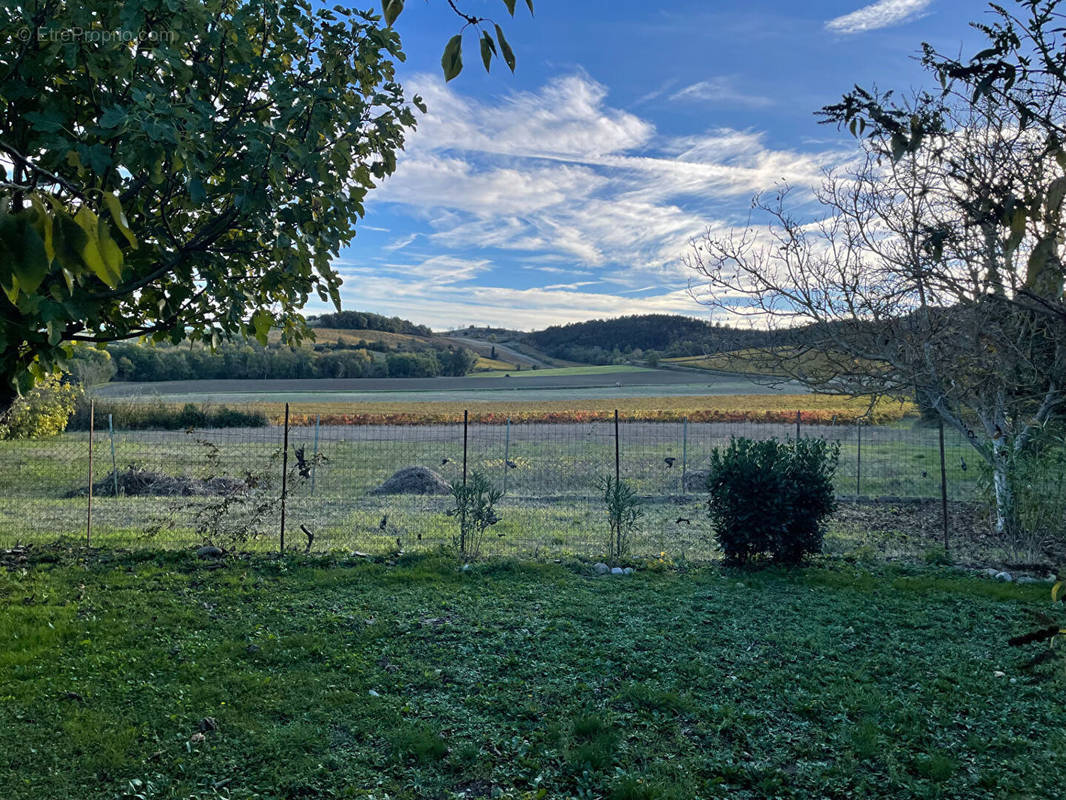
(770, 498)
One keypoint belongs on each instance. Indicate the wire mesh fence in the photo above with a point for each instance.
(382, 488)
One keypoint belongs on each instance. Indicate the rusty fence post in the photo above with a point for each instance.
(89, 510)
(943, 484)
(284, 475)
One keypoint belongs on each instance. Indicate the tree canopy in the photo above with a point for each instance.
(367, 321)
(177, 169)
(936, 269)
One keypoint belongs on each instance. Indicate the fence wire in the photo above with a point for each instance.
(385, 488)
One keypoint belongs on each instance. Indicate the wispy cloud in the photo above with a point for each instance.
(524, 309)
(881, 14)
(575, 285)
(720, 90)
(559, 182)
(655, 93)
(437, 271)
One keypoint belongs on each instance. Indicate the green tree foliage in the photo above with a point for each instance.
(43, 411)
(91, 366)
(182, 169)
(491, 41)
(603, 341)
(365, 321)
(251, 361)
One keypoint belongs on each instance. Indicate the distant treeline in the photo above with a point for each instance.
(365, 321)
(605, 341)
(134, 362)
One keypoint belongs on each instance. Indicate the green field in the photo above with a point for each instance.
(608, 369)
(158, 677)
(502, 393)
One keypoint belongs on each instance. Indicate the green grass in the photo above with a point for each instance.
(158, 677)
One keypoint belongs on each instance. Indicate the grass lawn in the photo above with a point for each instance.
(157, 677)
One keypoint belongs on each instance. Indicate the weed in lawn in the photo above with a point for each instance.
(866, 739)
(647, 788)
(936, 766)
(644, 696)
(418, 741)
(593, 743)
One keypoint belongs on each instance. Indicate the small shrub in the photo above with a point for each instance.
(475, 507)
(192, 417)
(624, 510)
(771, 497)
(43, 411)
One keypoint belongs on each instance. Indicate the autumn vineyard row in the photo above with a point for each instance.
(812, 410)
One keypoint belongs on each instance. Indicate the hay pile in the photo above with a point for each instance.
(134, 481)
(414, 480)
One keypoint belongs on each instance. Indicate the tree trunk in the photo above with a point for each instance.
(1003, 484)
(8, 395)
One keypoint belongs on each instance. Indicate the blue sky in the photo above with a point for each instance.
(571, 189)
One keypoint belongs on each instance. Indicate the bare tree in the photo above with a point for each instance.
(909, 284)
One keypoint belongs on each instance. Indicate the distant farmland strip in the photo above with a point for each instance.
(814, 410)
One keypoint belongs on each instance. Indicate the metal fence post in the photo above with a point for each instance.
(858, 463)
(114, 466)
(89, 510)
(314, 456)
(943, 483)
(684, 451)
(506, 454)
(462, 512)
(798, 419)
(284, 476)
(617, 451)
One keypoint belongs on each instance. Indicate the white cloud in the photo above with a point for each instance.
(523, 309)
(426, 273)
(560, 182)
(565, 119)
(720, 91)
(881, 14)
